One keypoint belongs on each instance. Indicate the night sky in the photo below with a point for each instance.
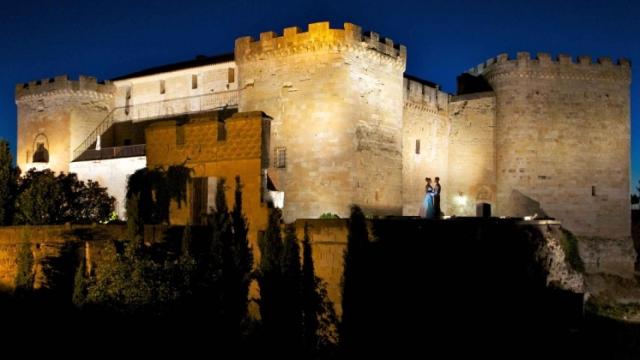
(105, 39)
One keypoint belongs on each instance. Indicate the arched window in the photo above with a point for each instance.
(41, 149)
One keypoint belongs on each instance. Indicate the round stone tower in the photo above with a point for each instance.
(563, 140)
(336, 99)
(55, 116)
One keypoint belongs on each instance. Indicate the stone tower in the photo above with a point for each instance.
(55, 116)
(336, 99)
(562, 140)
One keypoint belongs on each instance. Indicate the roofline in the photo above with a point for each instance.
(197, 62)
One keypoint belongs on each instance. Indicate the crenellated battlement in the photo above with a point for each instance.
(319, 36)
(544, 66)
(424, 96)
(61, 85)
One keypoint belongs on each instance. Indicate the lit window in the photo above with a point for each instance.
(281, 157)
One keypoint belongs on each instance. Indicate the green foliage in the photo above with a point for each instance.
(329, 215)
(8, 184)
(270, 276)
(40, 199)
(135, 283)
(135, 222)
(80, 284)
(570, 247)
(25, 275)
(237, 272)
(353, 278)
(156, 188)
(291, 317)
(319, 317)
(44, 198)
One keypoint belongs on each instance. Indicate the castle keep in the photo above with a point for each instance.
(529, 135)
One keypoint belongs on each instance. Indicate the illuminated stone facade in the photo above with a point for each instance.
(539, 136)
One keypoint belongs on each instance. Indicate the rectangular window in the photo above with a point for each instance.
(162, 88)
(281, 157)
(127, 100)
(222, 131)
(418, 146)
(232, 75)
(194, 81)
(593, 191)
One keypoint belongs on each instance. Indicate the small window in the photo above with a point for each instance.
(593, 191)
(179, 135)
(162, 88)
(127, 142)
(232, 75)
(128, 93)
(418, 146)
(281, 157)
(222, 131)
(194, 81)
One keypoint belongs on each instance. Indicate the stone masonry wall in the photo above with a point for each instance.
(59, 113)
(563, 140)
(336, 101)
(472, 176)
(425, 144)
(242, 153)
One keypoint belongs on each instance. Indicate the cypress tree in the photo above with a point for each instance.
(135, 223)
(79, 296)
(8, 184)
(310, 297)
(238, 272)
(292, 305)
(353, 281)
(270, 277)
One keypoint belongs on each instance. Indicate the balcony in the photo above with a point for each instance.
(112, 153)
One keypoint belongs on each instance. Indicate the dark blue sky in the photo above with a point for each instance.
(41, 39)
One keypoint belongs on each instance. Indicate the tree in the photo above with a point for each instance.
(80, 284)
(40, 199)
(353, 281)
(237, 273)
(291, 319)
(270, 278)
(319, 317)
(310, 299)
(44, 198)
(8, 184)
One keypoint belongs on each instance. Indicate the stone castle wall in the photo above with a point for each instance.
(178, 84)
(335, 96)
(563, 140)
(472, 175)
(241, 152)
(59, 113)
(425, 144)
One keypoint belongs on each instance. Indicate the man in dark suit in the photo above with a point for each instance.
(436, 199)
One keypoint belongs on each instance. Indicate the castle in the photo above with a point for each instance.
(336, 121)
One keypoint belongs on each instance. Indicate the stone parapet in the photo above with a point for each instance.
(85, 86)
(320, 37)
(563, 67)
